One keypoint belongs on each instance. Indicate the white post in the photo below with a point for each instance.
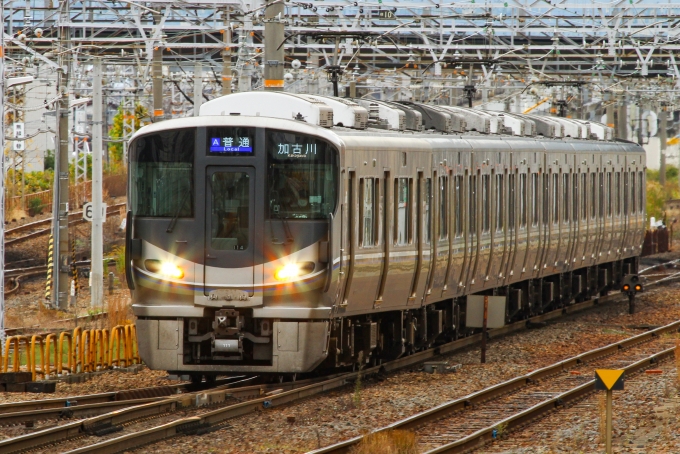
(2, 178)
(198, 87)
(97, 270)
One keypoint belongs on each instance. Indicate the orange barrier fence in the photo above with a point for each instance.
(86, 351)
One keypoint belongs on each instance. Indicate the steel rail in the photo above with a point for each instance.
(137, 410)
(74, 402)
(219, 416)
(505, 388)
(483, 436)
(76, 221)
(214, 419)
(48, 221)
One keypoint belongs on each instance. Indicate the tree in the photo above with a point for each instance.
(116, 133)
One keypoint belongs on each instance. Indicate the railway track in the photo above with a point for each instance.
(74, 219)
(217, 418)
(103, 414)
(467, 423)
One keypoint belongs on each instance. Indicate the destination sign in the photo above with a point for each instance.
(230, 145)
(297, 150)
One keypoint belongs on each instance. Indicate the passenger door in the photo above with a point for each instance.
(230, 243)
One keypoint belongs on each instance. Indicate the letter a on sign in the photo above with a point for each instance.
(609, 379)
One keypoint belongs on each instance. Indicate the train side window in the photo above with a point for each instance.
(472, 202)
(500, 202)
(609, 195)
(511, 202)
(443, 204)
(534, 199)
(458, 208)
(641, 191)
(486, 203)
(625, 194)
(369, 198)
(546, 195)
(617, 192)
(556, 198)
(523, 200)
(565, 198)
(600, 198)
(427, 221)
(633, 193)
(402, 211)
(574, 198)
(593, 196)
(584, 197)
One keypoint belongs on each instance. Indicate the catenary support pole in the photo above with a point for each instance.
(60, 210)
(97, 269)
(662, 145)
(226, 54)
(273, 50)
(198, 87)
(2, 180)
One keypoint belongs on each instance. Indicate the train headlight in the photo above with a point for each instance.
(293, 270)
(168, 269)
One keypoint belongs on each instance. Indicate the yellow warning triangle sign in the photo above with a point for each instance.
(610, 377)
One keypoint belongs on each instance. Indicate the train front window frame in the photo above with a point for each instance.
(161, 177)
(302, 176)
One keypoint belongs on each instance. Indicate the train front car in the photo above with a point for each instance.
(229, 243)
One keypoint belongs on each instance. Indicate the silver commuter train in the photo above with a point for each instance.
(269, 245)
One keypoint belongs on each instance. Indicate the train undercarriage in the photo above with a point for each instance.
(234, 338)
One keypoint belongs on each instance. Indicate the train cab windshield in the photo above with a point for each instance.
(302, 176)
(161, 174)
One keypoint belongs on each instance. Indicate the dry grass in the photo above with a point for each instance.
(677, 364)
(119, 310)
(388, 442)
(16, 213)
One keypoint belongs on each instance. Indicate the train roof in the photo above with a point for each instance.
(217, 113)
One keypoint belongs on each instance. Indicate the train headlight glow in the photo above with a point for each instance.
(168, 269)
(293, 270)
(172, 270)
(287, 271)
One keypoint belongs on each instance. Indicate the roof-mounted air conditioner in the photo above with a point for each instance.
(394, 117)
(273, 104)
(414, 119)
(346, 113)
(571, 128)
(475, 120)
(598, 131)
(433, 118)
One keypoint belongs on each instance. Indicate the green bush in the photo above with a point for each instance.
(35, 206)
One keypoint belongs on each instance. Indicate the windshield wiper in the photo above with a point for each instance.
(173, 221)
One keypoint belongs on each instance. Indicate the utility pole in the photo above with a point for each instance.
(662, 145)
(97, 262)
(226, 55)
(157, 77)
(198, 87)
(622, 118)
(273, 51)
(2, 180)
(60, 208)
(639, 121)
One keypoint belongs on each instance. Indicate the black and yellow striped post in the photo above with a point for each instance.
(50, 265)
(74, 268)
